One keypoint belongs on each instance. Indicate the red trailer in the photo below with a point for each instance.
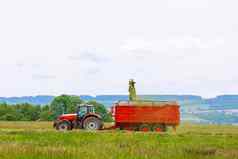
(146, 115)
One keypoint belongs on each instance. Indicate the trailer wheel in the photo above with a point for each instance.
(159, 128)
(92, 123)
(144, 128)
(174, 127)
(63, 126)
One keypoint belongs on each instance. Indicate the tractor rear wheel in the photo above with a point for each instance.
(63, 126)
(92, 123)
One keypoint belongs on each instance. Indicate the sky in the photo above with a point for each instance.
(53, 47)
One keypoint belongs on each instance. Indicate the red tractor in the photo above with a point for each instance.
(84, 118)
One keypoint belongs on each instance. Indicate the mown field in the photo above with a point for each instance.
(38, 140)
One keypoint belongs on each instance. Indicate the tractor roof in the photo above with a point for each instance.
(85, 105)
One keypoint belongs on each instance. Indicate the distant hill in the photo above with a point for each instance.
(37, 100)
(220, 110)
(224, 101)
(219, 101)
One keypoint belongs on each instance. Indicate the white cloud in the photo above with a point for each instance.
(183, 4)
(54, 47)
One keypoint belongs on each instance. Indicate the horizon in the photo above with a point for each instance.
(94, 96)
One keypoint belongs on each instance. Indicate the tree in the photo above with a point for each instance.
(61, 104)
(4, 108)
(8, 117)
(64, 104)
(100, 109)
(45, 114)
(27, 112)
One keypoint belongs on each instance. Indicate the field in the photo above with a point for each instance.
(38, 140)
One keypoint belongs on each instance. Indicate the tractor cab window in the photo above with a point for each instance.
(91, 109)
(82, 111)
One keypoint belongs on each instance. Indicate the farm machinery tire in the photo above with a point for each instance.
(144, 127)
(159, 128)
(92, 123)
(63, 126)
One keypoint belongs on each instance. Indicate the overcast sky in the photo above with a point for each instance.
(94, 47)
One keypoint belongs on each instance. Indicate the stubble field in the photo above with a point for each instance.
(38, 140)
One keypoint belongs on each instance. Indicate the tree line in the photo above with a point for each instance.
(61, 104)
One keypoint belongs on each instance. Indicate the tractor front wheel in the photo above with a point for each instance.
(92, 123)
(63, 126)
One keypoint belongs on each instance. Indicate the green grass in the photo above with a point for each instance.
(38, 140)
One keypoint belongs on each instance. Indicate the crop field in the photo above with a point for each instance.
(38, 140)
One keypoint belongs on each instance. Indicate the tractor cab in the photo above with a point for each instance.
(84, 109)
